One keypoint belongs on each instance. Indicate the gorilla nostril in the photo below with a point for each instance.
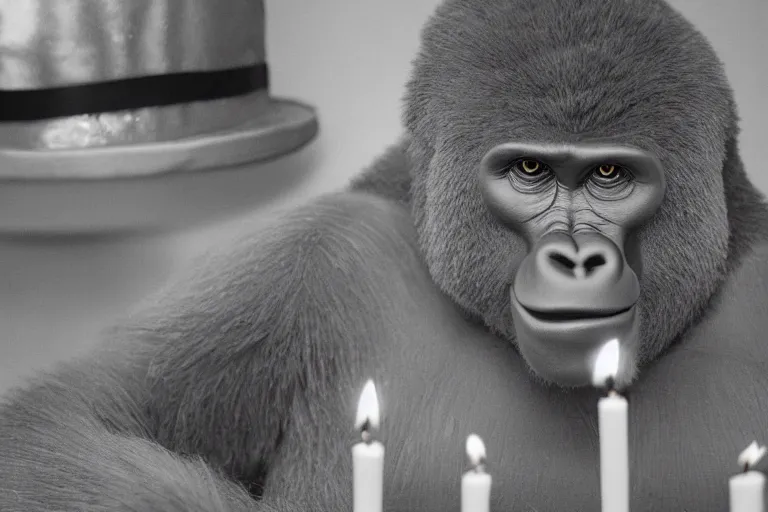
(576, 267)
(562, 262)
(593, 262)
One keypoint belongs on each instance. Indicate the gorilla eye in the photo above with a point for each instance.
(607, 170)
(531, 166)
(610, 182)
(528, 175)
(609, 175)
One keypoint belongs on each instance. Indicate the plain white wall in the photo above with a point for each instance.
(351, 59)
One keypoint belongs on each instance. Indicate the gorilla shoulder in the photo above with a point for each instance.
(736, 322)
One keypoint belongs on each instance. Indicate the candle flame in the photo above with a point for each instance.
(475, 449)
(606, 363)
(368, 407)
(751, 455)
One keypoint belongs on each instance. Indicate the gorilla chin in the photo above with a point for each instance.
(560, 348)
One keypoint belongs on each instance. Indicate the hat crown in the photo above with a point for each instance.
(54, 43)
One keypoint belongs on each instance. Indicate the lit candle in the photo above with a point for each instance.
(614, 438)
(476, 483)
(747, 488)
(368, 456)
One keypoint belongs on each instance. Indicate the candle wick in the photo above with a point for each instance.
(365, 431)
(479, 466)
(746, 467)
(610, 387)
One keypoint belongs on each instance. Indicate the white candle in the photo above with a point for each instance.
(476, 483)
(614, 433)
(746, 489)
(368, 456)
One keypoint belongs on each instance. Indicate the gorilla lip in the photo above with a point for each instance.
(572, 318)
(567, 315)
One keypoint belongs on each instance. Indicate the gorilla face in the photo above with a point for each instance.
(568, 174)
(575, 206)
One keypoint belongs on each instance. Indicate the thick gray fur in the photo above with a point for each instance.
(240, 380)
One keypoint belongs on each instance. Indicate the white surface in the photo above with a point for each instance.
(475, 492)
(350, 59)
(746, 492)
(614, 454)
(368, 477)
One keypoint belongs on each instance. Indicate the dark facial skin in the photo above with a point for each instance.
(577, 207)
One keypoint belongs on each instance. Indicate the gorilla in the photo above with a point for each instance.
(568, 172)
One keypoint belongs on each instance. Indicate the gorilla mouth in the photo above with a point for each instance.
(566, 315)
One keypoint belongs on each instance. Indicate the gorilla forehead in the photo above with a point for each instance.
(562, 70)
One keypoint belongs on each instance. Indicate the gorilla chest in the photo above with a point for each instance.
(689, 418)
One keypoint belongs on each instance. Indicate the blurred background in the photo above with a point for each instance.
(350, 60)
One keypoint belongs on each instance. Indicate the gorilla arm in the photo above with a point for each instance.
(57, 453)
(267, 343)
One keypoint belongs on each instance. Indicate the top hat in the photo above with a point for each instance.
(135, 88)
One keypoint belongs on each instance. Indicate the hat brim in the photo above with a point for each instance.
(283, 127)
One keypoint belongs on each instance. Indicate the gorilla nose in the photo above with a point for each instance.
(586, 258)
(586, 273)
